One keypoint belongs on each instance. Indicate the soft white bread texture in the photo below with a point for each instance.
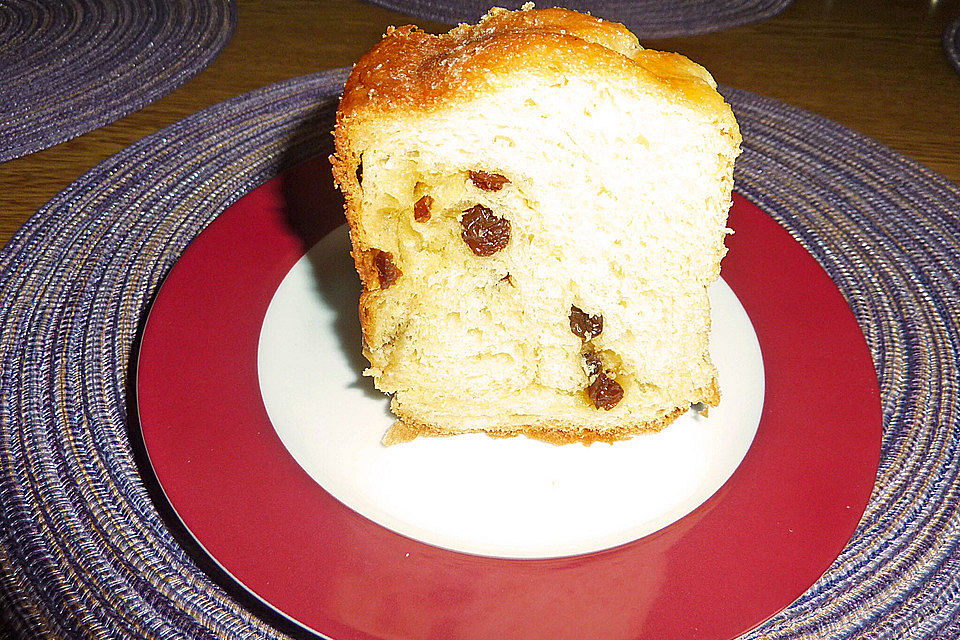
(509, 187)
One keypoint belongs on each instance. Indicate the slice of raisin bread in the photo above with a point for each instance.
(537, 205)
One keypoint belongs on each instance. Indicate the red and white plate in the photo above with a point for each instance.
(266, 440)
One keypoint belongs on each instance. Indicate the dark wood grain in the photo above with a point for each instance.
(876, 66)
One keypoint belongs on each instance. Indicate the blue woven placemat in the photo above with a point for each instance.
(951, 43)
(646, 18)
(70, 66)
(85, 549)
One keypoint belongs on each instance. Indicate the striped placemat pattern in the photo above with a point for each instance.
(951, 43)
(85, 550)
(70, 66)
(646, 18)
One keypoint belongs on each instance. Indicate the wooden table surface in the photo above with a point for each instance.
(876, 66)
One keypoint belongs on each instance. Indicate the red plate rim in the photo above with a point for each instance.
(752, 549)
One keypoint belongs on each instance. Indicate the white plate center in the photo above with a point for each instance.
(510, 497)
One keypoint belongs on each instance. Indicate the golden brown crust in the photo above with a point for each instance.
(413, 70)
(408, 428)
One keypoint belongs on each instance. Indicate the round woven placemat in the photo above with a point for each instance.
(951, 43)
(68, 67)
(89, 550)
(646, 18)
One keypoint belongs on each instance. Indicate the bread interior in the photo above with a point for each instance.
(616, 203)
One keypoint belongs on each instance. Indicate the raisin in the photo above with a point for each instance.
(583, 325)
(594, 364)
(605, 392)
(421, 210)
(488, 181)
(484, 232)
(387, 271)
(360, 171)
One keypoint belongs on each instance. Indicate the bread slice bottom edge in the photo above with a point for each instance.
(554, 431)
